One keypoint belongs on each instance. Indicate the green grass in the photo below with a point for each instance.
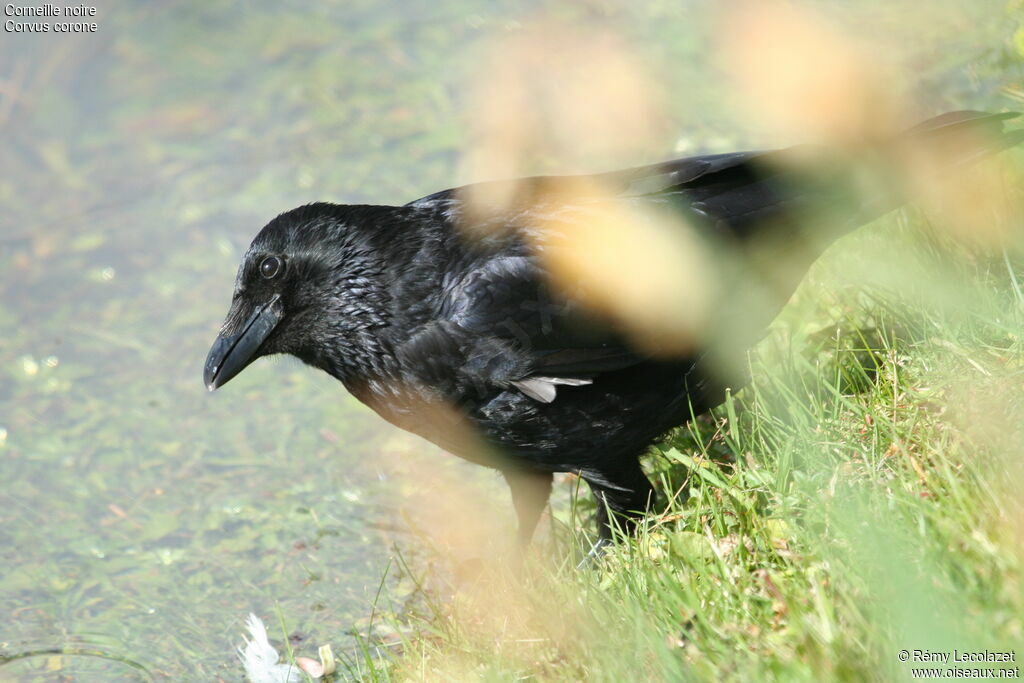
(859, 498)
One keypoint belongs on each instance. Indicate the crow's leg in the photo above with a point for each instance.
(530, 492)
(623, 491)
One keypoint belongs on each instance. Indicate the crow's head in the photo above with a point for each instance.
(310, 285)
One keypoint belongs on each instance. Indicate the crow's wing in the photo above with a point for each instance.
(696, 178)
(507, 296)
(550, 340)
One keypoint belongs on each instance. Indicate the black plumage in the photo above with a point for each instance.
(410, 314)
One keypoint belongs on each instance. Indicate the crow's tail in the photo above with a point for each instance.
(966, 136)
(935, 151)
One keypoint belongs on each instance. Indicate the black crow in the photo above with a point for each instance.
(439, 303)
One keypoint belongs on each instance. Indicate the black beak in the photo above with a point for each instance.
(230, 353)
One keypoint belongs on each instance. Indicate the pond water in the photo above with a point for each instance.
(141, 519)
(140, 516)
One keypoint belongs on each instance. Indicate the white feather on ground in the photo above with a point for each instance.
(261, 661)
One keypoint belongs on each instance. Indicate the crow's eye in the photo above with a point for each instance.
(271, 267)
